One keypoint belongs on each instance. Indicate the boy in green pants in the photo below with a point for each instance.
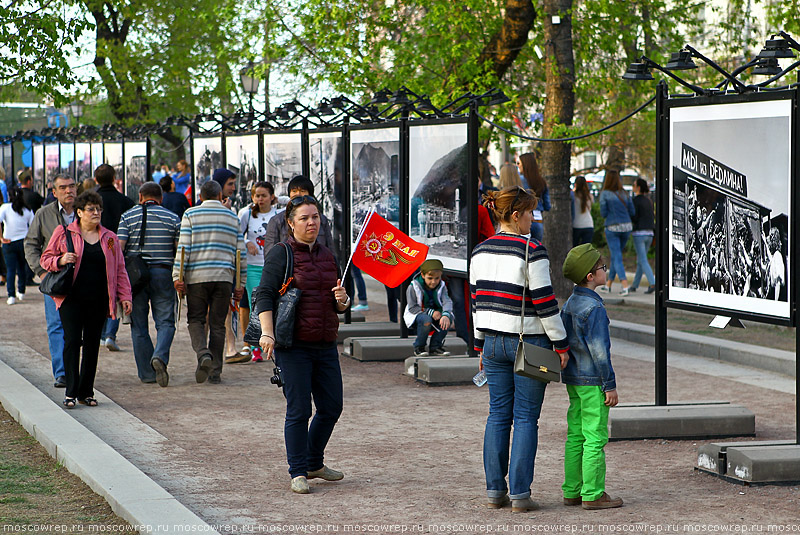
(590, 381)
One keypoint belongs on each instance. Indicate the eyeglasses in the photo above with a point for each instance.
(93, 210)
(598, 268)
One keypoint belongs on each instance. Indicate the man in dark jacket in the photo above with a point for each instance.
(32, 199)
(114, 205)
(277, 230)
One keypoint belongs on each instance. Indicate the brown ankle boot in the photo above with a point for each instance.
(603, 502)
(523, 506)
(572, 501)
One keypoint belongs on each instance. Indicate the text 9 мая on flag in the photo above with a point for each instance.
(387, 254)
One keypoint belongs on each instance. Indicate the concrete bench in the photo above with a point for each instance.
(681, 421)
(347, 345)
(764, 464)
(369, 328)
(395, 349)
(438, 371)
(713, 457)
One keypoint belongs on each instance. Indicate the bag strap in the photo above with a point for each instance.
(524, 290)
(144, 227)
(289, 271)
(70, 247)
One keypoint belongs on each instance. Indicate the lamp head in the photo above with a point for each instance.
(337, 102)
(776, 48)
(325, 108)
(399, 97)
(381, 97)
(637, 71)
(680, 61)
(424, 104)
(767, 67)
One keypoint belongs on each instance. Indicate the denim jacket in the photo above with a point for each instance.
(586, 322)
(616, 208)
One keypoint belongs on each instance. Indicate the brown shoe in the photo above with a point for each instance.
(603, 502)
(573, 501)
(523, 506)
(237, 358)
(498, 503)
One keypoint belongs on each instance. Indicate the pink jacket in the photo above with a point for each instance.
(119, 287)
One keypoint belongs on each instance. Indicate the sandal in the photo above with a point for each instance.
(69, 403)
(89, 402)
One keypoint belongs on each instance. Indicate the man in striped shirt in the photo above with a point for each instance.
(210, 239)
(161, 229)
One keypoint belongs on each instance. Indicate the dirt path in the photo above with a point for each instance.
(411, 453)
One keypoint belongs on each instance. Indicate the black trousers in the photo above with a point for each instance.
(83, 322)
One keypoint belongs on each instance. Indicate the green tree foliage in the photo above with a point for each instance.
(36, 38)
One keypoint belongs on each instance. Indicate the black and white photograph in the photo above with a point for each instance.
(97, 156)
(112, 155)
(51, 161)
(135, 167)
(283, 160)
(83, 161)
(730, 184)
(39, 183)
(241, 153)
(67, 159)
(438, 171)
(8, 162)
(326, 154)
(207, 153)
(374, 176)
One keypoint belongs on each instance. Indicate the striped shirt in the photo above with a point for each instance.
(497, 284)
(161, 233)
(210, 238)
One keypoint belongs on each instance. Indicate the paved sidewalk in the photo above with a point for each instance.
(411, 454)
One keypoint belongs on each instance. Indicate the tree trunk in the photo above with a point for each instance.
(504, 46)
(555, 162)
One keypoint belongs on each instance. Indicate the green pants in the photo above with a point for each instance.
(587, 434)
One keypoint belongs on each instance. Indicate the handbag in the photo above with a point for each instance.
(531, 360)
(60, 282)
(283, 314)
(135, 264)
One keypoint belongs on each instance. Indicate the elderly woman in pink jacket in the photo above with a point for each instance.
(100, 282)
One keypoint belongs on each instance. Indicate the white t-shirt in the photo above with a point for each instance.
(255, 232)
(582, 219)
(15, 226)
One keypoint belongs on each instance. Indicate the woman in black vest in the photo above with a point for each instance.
(311, 365)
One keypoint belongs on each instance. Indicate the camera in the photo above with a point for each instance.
(277, 378)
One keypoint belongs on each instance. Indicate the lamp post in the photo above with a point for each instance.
(249, 82)
(76, 108)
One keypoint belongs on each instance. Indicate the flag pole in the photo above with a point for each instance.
(358, 240)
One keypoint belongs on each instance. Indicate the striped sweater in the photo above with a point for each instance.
(210, 236)
(497, 281)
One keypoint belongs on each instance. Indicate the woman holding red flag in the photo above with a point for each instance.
(310, 366)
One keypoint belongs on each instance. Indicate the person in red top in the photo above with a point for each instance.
(99, 283)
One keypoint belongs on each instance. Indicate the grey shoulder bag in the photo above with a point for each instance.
(531, 360)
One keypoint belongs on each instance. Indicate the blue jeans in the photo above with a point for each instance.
(512, 398)
(55, 336)
(309, 373)
(422, 325)
(14, 255)
(361, 287)
(159, 293)
(537, 231)
(642, 244)
(110, 329)
(616, 243)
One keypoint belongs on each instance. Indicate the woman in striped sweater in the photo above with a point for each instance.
(497, 281)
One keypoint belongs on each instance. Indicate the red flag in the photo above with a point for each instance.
(387, 254)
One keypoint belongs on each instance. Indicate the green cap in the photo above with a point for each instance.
(579, 262)
(430, 265)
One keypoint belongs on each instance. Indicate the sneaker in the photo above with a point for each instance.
(632, 289)
(162, 377)
(11, 300)
(603, 502)
(300, 485)
(439, 352)
(523, 506)
(215, 379)
(420, 352)
(61, 382)
(604, 289)
(359, 307)
(203, 367)
(111, 344)
(328, 474)
(257, 358)
(650, 289)
(20, 297)
(624, 292)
